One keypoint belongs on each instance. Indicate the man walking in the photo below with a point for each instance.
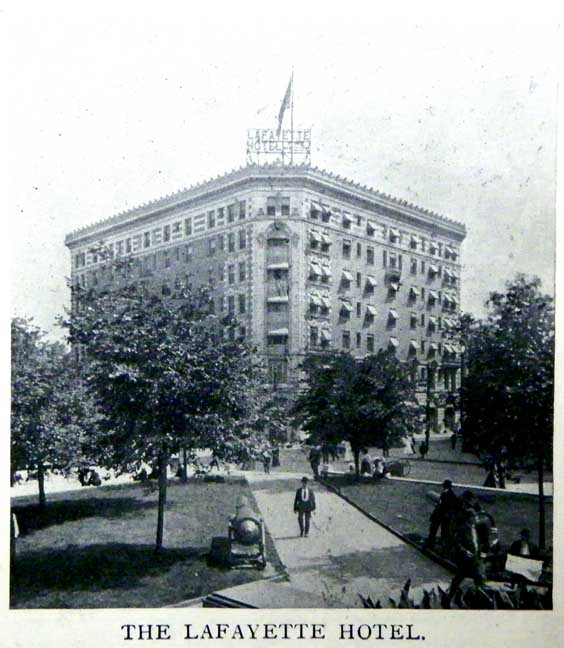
(304, 505)
(442, 516)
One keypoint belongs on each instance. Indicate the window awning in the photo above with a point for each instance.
(432, 320)
(277, 299)
(448, 348)
(414, 239)
(326, 239)
(325, 302)
(450, 250)
(370, 226)
(433, 346)
(371, 281)
(315, 236)
(414, 291)
(394, 285)
(454, 301)
(393, 313)
(446, 273)
(433, 294)
(432, 246)
(315, 299)
(278, 266)
(316, 206)
(414, 345)
(433, 269)
(394, 232)
(314, 268)
(326, 271)
(325, 335)
(394, 342)
(347, 276)
(346, 306)
(347, 217)
(280, 332)
(371, 310)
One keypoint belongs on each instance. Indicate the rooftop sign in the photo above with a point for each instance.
(264, 144)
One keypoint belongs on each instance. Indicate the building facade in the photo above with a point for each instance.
(305, 260)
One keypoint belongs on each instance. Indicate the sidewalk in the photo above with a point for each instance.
(346, 553)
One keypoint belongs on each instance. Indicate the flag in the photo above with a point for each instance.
(285, 104)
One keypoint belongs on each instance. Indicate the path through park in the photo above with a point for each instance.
(345, 554)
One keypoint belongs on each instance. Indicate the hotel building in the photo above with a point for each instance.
(305, 260)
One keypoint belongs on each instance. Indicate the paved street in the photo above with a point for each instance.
(346, 553)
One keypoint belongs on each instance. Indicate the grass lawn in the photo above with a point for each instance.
(406, 507)
(95, 548)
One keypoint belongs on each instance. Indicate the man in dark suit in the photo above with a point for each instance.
(304, 505)
(442, 516)
(524, 547)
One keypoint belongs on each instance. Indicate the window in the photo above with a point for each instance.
(231, 242)
(358, 309)
(393, 261)
(221, 272)
(370, 229)
(422, 267)
(346, 221)
(242, 271)
(413, 321)
(423, 294)
(166, 259)
(231, 304)
(413, 266)
(422, 320)
(220, 213)
(242, 304)
(188, 253)
(211, 218)
(242, 209)
(231, 274)
(147, 239)
(359, 250)
(221, 242)
(242, 239)
(423, 346)
(166, 233)
(370, 255)
(358, 340)
(271, 206)
(394, 235)
(384, 259)
(128, 246)
(211, 276)
(346, 339)
(230, 213)
(242, 331)
(346, 249)
(358, 280)
(211, 246)
(187, 227)
(285, 207)
(313, 336)
(413, 242)
(370, 343)
(278, 371)
(423, 374)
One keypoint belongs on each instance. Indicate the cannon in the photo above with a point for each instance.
(245, 544)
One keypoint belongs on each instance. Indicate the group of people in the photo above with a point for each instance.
(375, 467)
(469, 535)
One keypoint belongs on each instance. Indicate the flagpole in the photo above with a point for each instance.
(292, 121)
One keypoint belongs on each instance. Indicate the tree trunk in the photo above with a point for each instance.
(184, 476)
(540, 467)
(41, 484)
(163, 460)
(356, 455)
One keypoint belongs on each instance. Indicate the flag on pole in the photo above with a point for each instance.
(285, 104)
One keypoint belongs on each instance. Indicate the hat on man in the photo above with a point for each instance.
(305, 480)
(447, 483)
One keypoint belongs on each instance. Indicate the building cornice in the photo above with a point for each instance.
(317, 179)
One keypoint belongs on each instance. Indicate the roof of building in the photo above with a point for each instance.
(258, 170)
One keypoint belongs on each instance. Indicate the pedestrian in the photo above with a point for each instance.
(423, 449)
(266, 459)
(366, 464)
(314, 461)
(304, 506)
(467, 556)
(442, 516)
(453, 440)
(524, 547)
(276, 456)
(214, 463)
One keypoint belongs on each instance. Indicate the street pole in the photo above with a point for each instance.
(428, 408)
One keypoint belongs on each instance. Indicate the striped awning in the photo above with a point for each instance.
(346, 306)
(347, 217)
(393, 314)
(446, 273)
(371, 281)
(394, 285)
(433, 294)
(394, 342)
(316, 206)
(346, 275)
(433, 269)
(279, 332)
(394, 232)
(413, 345)
(371, 310)
(414, 290)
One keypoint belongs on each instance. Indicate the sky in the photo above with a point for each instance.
(114, 104)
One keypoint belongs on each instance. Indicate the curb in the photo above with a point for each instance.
(443, 562)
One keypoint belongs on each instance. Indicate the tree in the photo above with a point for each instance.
(508, 391)
(160, 370)
(46, 404)
(365, 402)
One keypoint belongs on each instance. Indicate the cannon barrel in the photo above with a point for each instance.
(245, 524)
